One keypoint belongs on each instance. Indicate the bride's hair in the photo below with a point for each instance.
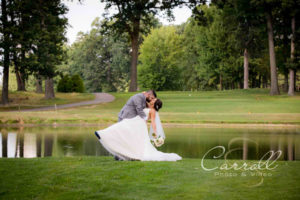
(158, 104)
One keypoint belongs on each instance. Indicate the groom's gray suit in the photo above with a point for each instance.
(133, 107)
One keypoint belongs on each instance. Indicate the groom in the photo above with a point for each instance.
(136, 104)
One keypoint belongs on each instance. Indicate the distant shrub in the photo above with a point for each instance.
(77, 84)
(70, 84)
(64, 85)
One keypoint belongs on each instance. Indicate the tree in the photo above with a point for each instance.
(190, 61)
(282, 33)
(161, 54)
(215, 48)
(243, 15)
(245, 22)
(50, 41)
(6, 42)
(129, 17)
(101, 59)
(291, 7)
(39, 84)
(291, 91)
(274, 81)
(21, 33)
(32, 34)
(268, 8)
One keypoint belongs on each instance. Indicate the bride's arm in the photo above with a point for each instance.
(152, 115)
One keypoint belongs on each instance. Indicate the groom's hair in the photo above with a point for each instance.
(152, 92)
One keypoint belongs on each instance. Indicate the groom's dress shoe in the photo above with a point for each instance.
(97, 135)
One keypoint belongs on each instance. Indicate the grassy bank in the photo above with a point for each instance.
(104, 178)
(25, 100)
(253, 106)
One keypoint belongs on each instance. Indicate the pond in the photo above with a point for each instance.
(245, 143)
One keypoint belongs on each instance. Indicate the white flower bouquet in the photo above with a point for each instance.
(157, 141)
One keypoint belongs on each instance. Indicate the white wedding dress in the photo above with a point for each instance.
(129, 140)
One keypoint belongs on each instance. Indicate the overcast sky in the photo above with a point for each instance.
(81, 16)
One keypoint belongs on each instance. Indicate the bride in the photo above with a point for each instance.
(129, 139)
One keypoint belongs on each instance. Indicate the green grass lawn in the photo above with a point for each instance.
(104, 178)
(25, 99)
(232, 106)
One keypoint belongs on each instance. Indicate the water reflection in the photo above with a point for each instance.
(251, 143)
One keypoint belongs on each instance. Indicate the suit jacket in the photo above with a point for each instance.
(133, 107)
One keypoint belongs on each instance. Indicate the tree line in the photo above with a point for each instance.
(249, 22)
(32, 38)
(32, 35)
(224, 45)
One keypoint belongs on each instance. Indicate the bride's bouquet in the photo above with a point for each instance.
(157, 137)
(157, 141)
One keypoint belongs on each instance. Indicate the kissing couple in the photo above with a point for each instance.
(129, 139)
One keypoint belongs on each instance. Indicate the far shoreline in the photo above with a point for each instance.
(167, 125)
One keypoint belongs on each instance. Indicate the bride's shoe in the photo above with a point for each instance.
(117, 158)
(97, 135)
